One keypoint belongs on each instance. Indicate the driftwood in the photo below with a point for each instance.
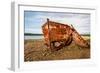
(58, 35)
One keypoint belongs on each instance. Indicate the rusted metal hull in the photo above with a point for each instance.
(79, 40)
(58, 35)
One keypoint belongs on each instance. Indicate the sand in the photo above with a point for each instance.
(35, 50)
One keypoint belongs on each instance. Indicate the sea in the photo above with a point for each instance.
(26, 37)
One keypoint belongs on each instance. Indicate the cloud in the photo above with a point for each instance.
(34, 20)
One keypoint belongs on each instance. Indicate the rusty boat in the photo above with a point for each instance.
(58, 35)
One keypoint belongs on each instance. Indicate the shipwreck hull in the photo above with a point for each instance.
(58, 35)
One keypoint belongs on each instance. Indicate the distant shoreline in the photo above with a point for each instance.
(30, 34)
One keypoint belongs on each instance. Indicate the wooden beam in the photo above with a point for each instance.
(49, 33)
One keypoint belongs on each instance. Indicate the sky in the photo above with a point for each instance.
(33, 20)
